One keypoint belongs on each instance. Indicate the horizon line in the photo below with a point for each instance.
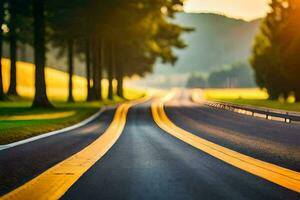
(225, 15)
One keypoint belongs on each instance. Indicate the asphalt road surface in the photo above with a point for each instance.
(148, 163)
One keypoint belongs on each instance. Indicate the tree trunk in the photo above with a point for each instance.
(2, 97)
(101, 54)
(71, 69)
(119, 76)
(92, 70)
(273, 95)
(13, 49)
(110, 73)
(40, 98)
(297, 96)
(120, 90)
(98, 52)
(96, 83)
(88, 70)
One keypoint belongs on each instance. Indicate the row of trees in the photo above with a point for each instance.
(238, 74)
(275, 58)
(116, 38)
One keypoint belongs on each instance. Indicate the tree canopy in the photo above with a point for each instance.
(275, 56)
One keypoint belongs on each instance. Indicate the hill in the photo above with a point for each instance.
(57, 81)
(217, 41)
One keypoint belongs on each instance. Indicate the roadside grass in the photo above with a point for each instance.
(251, 96)
(19, 121)
(13, 128)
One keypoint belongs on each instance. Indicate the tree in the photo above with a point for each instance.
(267, 60)
(237, 75)
(90, 14)
(16, 13)
(63, 21)
(196, 81)
(40, 98)
(97, 59)
(19, 24)
(88, 68)
(111, 70)
(71, 69)
(290, 37)
(274, 56)
(144, 29)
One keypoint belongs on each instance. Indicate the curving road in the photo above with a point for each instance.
(148, 163)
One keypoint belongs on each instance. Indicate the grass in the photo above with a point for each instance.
(19, 121)
(14, 128)
(229, 94)
(251, 96)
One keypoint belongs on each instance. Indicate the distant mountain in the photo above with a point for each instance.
(217, 41)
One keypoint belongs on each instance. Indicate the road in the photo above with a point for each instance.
(146, 162)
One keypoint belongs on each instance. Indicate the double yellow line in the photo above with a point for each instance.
(54, 182)
(273, 173)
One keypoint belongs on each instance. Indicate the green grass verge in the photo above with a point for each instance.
(14, 130)
(253, 97)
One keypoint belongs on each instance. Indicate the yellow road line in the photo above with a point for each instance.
(54, 182)
(273, 173)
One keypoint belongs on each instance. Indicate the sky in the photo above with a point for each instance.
(242, 9)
